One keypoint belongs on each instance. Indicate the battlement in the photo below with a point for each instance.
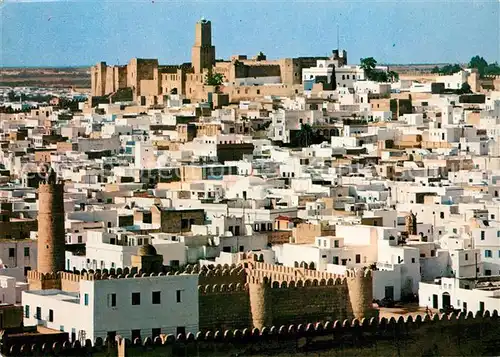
(412, 332)
(207, 289)
(279, 273)
(358, 273)
(296, 283)
(36, 275)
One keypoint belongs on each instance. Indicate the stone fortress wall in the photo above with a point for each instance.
(252, 294)
(407, 336)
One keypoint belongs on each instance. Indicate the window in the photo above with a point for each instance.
(156, 297)
(413, 260)
(112, 300)
(61, 328)
(86, 299)
(184, 223)
(178, 295)
(336, 260)
(483, 233)
(487, 272)
(441, 215)
(156, 332)
(80, 239)
(466, 256)
(336, 243)
(136, 298)
(11, 252)
(26, 251)
(481, 306)
(181, 330)
(51, 315)
(358, 258)
(38, 313)
(136, 334)
(27, 311)
(487, 253)
(498, 234)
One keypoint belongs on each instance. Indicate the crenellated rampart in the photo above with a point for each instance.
(454, 334)
(252, 294)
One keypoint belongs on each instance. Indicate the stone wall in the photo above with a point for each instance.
(436, 335)
(292, 304)
(224, 307)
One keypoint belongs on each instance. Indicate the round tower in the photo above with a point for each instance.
(51, 234)
(260, 304)
(359, 283)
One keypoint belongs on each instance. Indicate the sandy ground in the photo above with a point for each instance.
(404, 310)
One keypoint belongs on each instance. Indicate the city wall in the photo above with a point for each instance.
(252, 294)
(454, 334)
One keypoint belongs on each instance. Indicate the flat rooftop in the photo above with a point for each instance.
(57, 294)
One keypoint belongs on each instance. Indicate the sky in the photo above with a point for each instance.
(84, 32)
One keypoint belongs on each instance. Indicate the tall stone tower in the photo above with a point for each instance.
(360, 287)
(260, 302)
(203, 53)
(51, 235)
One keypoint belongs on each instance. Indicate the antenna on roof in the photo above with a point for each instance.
(338, 37)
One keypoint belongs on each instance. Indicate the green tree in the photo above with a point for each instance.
(479, 63)
(368, 65)
(435, 69)
(450, 69)
(465, 89)
(493, 69)
(214, 79)
(393, 76)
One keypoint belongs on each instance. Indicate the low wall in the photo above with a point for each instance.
(435, 335)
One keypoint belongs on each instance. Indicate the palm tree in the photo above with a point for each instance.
(305, 136)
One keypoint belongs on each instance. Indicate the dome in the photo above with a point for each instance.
(147, 249)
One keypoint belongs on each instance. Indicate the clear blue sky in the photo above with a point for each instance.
(83, 32)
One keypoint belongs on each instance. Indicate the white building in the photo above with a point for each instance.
(465, 294)
(135, 307)
(18, 253)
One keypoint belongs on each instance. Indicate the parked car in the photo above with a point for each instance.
(385, 302)
(449, 310)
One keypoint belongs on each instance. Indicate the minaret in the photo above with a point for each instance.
(203, 53)
(51, 234)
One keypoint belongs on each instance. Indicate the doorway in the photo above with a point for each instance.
(434, 301)
(389, 292)
(446, 300)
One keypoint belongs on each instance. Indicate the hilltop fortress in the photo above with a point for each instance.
(148, 83)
